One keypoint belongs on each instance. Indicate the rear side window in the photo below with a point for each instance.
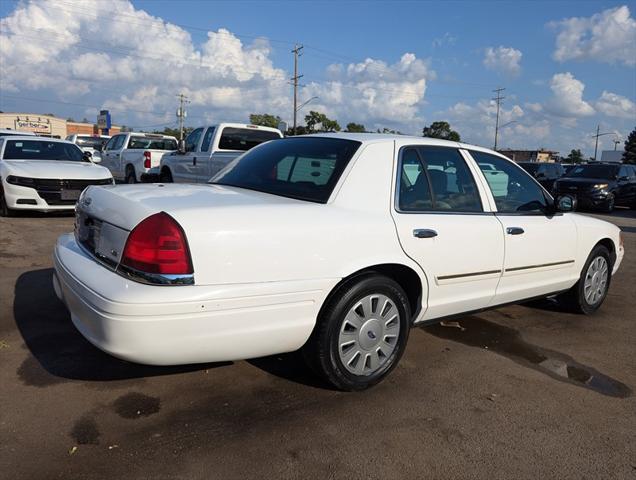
(243, 139)
(207, 139)
(144, 143)
(436, 179)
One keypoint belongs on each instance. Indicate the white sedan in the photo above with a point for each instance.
(44, 174)
(327, 242)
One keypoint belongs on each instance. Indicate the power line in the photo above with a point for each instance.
(498, 99)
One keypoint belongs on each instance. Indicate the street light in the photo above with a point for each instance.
(305, 103)
(598, 129)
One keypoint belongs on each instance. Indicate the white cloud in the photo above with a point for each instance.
(614, 105)
(503, 59)
(135, 64)
(608, 37)
(374, 93)
(446, 39)
(567, 100)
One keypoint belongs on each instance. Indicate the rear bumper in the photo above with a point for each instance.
(158, 325)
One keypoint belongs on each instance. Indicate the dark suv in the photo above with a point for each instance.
(600, 185)
(545, 173)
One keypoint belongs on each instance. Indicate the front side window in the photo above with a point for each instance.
(42, 150)
(243, 139)
(436, 179)
(192, 140)
(304, 168)
(513, 189)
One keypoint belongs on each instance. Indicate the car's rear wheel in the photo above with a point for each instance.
(5, 211)
(165, 176)
(590, 291)
(130, 175)
(361, 333)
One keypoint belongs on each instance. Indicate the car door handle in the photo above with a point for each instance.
(514, 230)
(194, 161)
(424, 233)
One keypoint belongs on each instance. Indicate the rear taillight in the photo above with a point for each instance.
(158, 245)
(147, 159)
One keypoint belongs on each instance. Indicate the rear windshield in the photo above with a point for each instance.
(146, 143)
(529, 167)
(244, 138)
(594, 171)
(42, 150)
(92, 142)
(302, 168)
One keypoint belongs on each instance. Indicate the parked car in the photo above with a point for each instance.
(44, 174)
(7, 132)
(208, 149)
(130, 155)
(497, 179)
(545, 173)
(600, 185)
(327, 243)
(90, 143)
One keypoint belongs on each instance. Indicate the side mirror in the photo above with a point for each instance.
(87, 157)
(565, 203)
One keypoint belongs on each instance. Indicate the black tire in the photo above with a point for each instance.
(165, 176)
(574, 299)
(5, 211)
(321, 352)
(130, 175)
(609, 206)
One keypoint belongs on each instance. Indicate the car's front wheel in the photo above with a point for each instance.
(590, 291)
(361, 333)
(609, 205)
(5, 211)
(130, 175)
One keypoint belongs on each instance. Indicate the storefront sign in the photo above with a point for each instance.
(35, 126)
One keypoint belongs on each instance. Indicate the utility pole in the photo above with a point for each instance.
(294, 79)
(181, 113)
(616, 142)
(497, 99)
(598, 129)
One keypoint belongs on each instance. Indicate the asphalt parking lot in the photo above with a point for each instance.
(519, 392)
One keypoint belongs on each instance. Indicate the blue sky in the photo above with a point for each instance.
(554, 100)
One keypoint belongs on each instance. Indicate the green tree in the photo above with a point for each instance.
(388, 130)
(315, 119)
(355, 128)
(441, 130)
(264, 120)
(575, 156)
(630, 148)
(70, 119)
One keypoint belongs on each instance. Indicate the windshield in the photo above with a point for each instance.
(91, 142)
(594, 171)
(149, 143)
(42, 150)
(304, 168)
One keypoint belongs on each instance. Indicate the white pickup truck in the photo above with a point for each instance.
(208, 149)
(129, 155)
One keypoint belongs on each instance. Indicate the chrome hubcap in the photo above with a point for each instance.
(596, 280)
(369, 334)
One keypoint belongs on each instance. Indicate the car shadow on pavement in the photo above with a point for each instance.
(59, 349)
(292, 367)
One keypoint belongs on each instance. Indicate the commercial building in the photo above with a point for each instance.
(540, 155)
(48, 125)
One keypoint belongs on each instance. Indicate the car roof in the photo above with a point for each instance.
(16, 133)
(36, 138)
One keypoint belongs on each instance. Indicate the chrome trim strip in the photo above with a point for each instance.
(472, 274)
(157, 279)
(553, 264)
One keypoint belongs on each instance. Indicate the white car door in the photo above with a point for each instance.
(540, 245)
(204, 156)
(110, 159)
(185, 168)
(443, 221)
